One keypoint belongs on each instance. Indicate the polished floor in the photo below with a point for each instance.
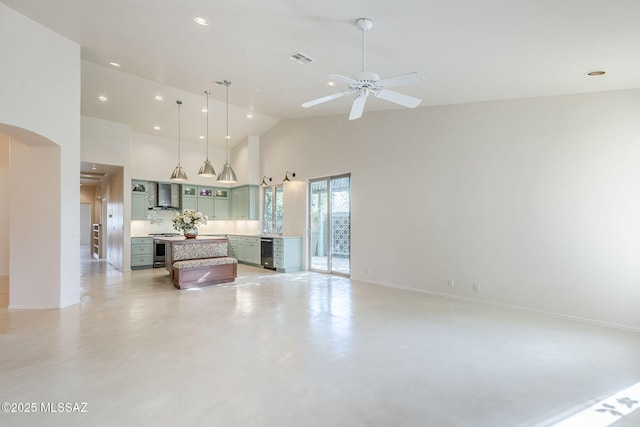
(301, 349)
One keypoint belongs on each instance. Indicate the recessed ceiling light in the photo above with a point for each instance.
(200, 21)
(156, 127)
(158, 98)
(596, 73)
(103, 98)
(331, 83)
(203, 109)
(227, 137)
(114, 64)
(249, 115)
(201, 136)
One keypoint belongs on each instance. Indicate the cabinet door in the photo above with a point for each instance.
(221, 208)
(244, 202)
(138, 205)
(253, 253)
(188, 197)
(240, 203)
(189, 203)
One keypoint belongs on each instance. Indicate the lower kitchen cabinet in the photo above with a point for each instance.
(287, 254)
(245, 249)
(141, 252)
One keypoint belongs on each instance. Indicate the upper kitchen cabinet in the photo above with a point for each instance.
(212, 202)
(139, 199)
(221, 208)
(244, 202)
(205, 201)
(189, 197)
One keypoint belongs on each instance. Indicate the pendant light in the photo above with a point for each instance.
(227, 176)
(178, 174)
(206, 170)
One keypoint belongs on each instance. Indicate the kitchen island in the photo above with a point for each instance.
(198, 262)
(173, 240)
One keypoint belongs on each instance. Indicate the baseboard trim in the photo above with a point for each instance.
(497, 304)
(32, 307)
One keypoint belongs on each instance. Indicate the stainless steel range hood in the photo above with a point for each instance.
(164, 196)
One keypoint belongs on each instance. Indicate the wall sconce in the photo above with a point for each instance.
(286, 176)
(264, 181)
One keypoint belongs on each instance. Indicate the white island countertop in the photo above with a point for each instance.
(182, 238)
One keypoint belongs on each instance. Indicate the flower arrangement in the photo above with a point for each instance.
(189, 219)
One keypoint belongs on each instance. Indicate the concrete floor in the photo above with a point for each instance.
(301, 349)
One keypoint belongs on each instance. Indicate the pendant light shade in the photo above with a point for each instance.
(227, 176)
(178, 174)
(206, 170)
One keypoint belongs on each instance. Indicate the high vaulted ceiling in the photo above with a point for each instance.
(468, 50)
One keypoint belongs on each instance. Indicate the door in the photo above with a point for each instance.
(85, 224)
(330, 224)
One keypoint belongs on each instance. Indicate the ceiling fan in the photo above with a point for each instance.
(366, 82)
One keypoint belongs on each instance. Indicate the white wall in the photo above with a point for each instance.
(4, 204)
(536, 200)
(154, 158)
(38, 64)
(109, 143)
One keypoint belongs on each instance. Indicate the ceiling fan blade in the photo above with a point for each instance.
(341, 79)
(358, 105)
(399, 98)
(327, 98)
(405, 79)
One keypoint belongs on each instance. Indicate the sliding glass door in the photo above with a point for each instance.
(330, 224)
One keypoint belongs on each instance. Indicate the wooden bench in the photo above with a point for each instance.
(198, 263)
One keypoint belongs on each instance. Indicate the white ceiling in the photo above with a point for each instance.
(468, 50)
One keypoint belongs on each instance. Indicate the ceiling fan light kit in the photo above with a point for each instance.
(365, 82)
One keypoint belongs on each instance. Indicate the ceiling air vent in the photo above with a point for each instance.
(300, 58)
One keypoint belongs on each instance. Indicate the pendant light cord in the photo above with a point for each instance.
(179, 104)
(208, 93)
(227, 84)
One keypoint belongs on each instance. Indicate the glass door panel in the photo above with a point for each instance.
(330, 225)
(340, 225)
(319, 225)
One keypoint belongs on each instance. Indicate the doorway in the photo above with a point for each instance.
(330, 224)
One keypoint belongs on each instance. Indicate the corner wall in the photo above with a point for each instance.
(38, 64)
(536, 200)
(4, 204)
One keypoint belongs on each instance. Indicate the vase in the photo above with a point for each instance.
(190, 233)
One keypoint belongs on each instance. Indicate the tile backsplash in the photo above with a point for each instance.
(160, 221)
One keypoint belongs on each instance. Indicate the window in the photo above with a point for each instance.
(273, 206)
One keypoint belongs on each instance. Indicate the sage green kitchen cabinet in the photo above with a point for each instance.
(245, 249)
(244, 202)
(188, 197)
(221, 208)
(139, 197)
(205, 201)
(141, 252)
(287, 254)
